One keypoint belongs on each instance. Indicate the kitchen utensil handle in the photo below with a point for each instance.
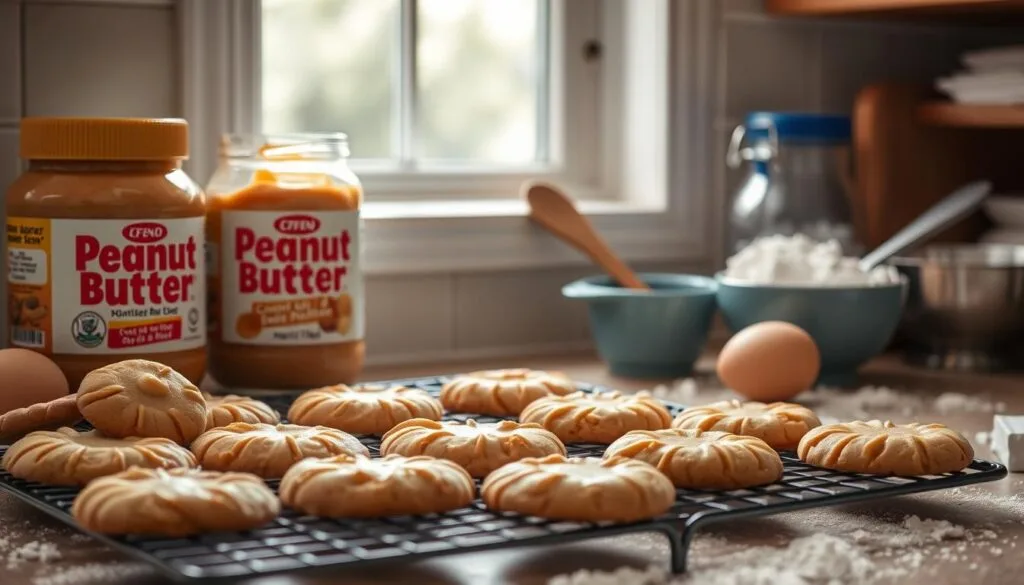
(555, 211)
(584, 239)
(949, 210)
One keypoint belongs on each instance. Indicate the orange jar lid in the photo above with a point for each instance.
(104, 139)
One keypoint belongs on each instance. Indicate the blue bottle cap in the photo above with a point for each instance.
(799, 127)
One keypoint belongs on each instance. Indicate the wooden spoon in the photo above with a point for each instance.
(553, 210)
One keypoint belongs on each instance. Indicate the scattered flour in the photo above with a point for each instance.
(32, 551)
(865, 402)
(94, 573)
(622, 576)
(688, 392)
(814, 559)
(877, 552)
(983, 438)
(951, 402)
(912, 531)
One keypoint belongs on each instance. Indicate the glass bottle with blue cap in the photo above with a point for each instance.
(798, 178)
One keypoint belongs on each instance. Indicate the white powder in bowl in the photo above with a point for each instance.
(801, 261)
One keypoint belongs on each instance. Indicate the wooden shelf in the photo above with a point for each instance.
(971, 116)
(884, 8)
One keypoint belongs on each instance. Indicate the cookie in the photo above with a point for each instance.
(478, 448)
(585, 490)
(599, 417)
(43, 416)
(884, 448)
(173, 503)
(69, 457)
(224, 410)
(502, 392)
(140, 398)
(702, 460)
(269, 450)
(780, 424)
(360, 487)
(363, 409)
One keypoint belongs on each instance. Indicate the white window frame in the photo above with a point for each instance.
(648, 208)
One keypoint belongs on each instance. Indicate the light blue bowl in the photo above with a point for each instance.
(648, 334)
(850, 325)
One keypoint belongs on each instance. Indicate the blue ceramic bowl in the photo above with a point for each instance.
(850, 324)
(655, 334)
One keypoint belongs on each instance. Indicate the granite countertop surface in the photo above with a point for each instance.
(966, 535)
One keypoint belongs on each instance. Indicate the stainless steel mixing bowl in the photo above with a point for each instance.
(965, 306)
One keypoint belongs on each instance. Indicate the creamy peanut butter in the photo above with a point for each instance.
(286, 291)
(105, 246)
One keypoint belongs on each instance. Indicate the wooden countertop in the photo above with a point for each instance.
(988, 554)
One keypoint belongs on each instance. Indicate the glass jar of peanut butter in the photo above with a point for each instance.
(284, 277)
(105, 246)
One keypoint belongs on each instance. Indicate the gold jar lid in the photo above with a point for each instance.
(131, 139)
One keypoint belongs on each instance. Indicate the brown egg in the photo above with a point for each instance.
(27, 378)
(769, 361)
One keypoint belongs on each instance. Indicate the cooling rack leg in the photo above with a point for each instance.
(678, 544)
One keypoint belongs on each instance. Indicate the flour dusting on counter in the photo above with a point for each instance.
(842, 403)
(94, 573)
(33, 551)
(845, 548)
(801, 261)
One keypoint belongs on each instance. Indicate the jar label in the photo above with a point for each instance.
(289, 277)
(106, 286)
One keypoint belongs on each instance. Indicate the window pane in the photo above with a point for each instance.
(328, 67)
(477, 77)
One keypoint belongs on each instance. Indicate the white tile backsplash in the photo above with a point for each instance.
(517, 309)
(10, 62)
(409, 315)
(100, 60)
(10, 166)
(769, 66)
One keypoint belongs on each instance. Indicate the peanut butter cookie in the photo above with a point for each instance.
(389, 486)
(269, 450)
(502, 392)
(703, 460)
(479, 448)
(363, 409)
(585, 490)
(43, 416)
(599, 417)
(176, 502)
(68, 457)
(780, 424)
(140, 398)
(884, 448)
(229, 408)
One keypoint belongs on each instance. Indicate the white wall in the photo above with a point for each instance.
(120, 58)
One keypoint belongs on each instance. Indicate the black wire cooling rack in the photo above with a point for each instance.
(294, 542)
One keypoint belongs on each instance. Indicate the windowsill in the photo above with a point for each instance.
(480, 208)
(424, 237)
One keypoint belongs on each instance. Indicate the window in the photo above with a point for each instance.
(452, 89)
(451, 104)
(415, 84)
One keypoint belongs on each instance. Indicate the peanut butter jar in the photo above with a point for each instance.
(285, 282)
(105, 246)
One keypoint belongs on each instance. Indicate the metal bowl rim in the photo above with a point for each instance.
(961, 256)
